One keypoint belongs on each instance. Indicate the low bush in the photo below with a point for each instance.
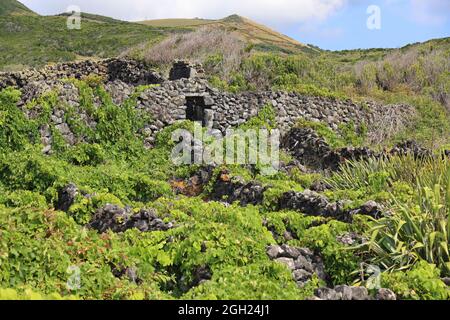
(422, 282)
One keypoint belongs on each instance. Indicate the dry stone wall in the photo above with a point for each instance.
(189, 98)
(171, 102)
(34, 82)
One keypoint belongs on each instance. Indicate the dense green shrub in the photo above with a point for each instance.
(147, 189)
(245, 283)
(30, 170)
(86, 154)
(38, 247)
(110, 165)
(265, 119)
(16, 131)
(23, 198)
(291, 221)
(420, 283)
(28, 294)
(340, 261)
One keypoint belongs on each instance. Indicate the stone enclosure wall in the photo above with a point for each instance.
(220, 110)
(190, 97)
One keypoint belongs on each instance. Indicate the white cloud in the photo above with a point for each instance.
(273, 12)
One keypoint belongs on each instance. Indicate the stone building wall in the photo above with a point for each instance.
(169, 103)
(190, 98)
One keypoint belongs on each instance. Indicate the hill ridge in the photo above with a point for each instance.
(253, 32)
(14, 7)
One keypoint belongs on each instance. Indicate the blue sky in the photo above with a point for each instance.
(329, 24)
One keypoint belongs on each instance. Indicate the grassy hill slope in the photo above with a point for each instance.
(28, 40)
(14, 7)
(257, 34)
(94, 18)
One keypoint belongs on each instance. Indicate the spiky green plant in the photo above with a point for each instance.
(416, 231)
(417, 226)
(374, 174)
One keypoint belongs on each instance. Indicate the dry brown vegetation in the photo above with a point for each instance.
(415, 70)
(248, 30)
(200, 46)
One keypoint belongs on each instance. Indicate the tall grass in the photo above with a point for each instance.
(220, 50)
(420, 69)
(416, 172)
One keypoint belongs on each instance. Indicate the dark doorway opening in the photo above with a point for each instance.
(195, 110)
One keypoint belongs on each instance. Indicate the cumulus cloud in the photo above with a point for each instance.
(274, 12)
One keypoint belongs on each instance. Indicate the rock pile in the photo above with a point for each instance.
(357, 154)
(304, 264)
(117, 219)
(310, 149)
(312, 203)
(66, 197)
(231, 189)
(413, 148)
(343, 292)
(313, 151)
(301, 261)
(185, 70)
(315, 204)
(132, 72)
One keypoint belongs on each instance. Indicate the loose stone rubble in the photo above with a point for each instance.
(185, 70)
(314, 152)
(310, 149)
(315, 204)
(301, 261)
(304, 264)
(66, 197)
(230, 189)
(117, 219)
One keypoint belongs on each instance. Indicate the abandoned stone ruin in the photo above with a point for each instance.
(186, 95)
(185, 70)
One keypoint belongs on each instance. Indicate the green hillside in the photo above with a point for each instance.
(37, 40)
(30, 40)
(223, 245)
(14, 7)
(93, 205)
(94, 17)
